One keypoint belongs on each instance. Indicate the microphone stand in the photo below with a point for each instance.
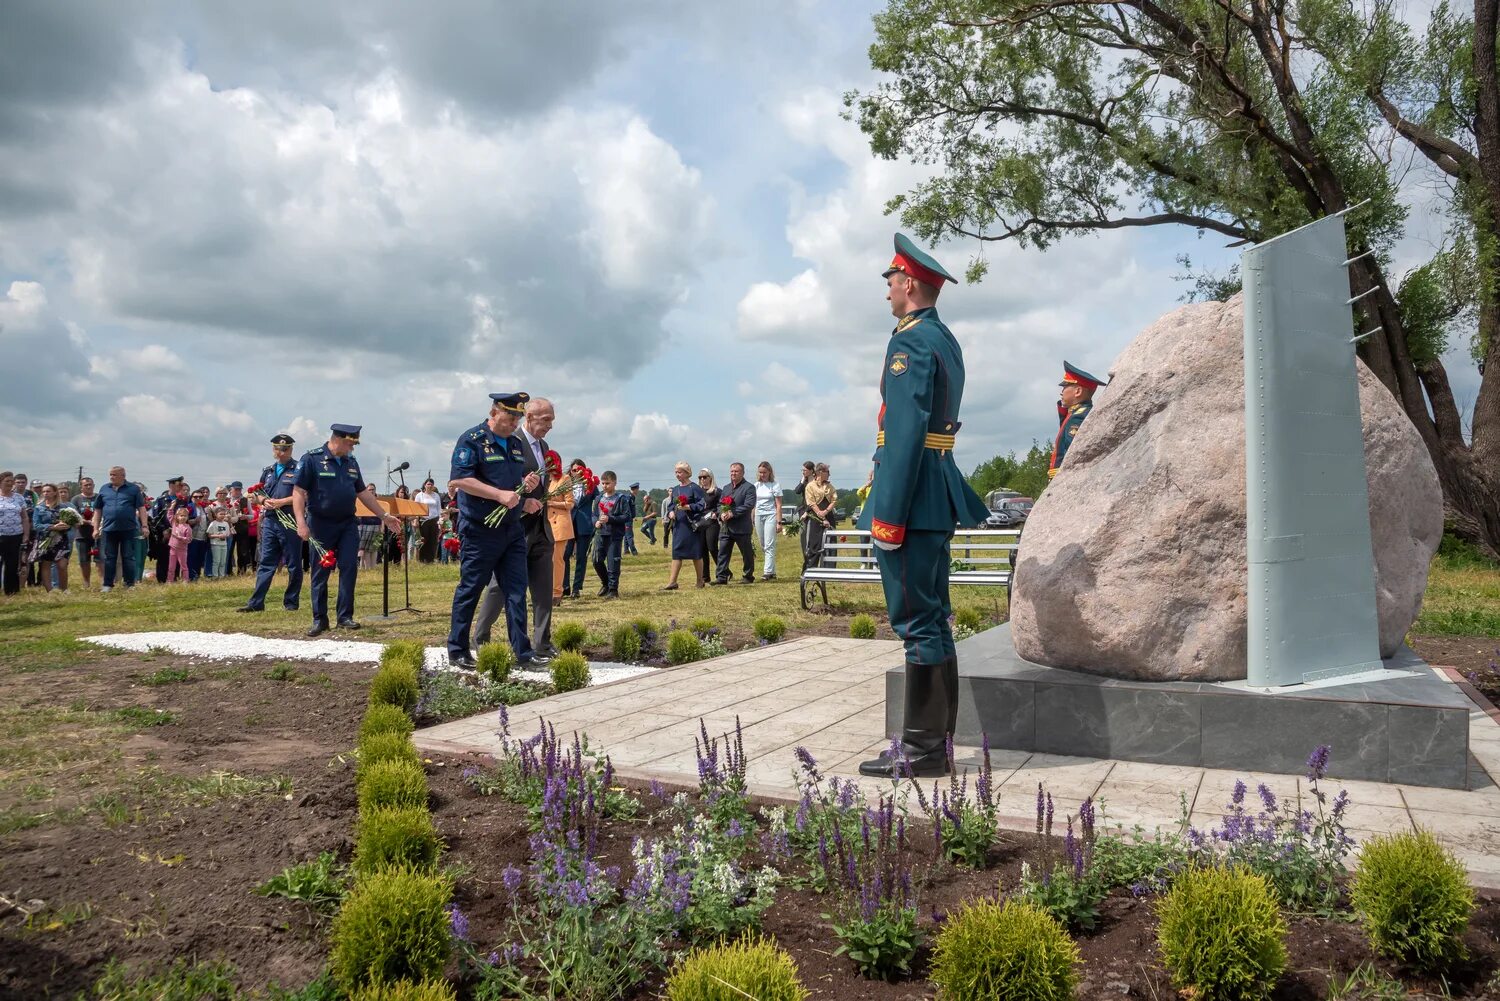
(385, 570)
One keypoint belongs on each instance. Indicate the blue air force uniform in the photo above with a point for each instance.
(499, 551)
(917, 498)
(332, 486)
(277, 542)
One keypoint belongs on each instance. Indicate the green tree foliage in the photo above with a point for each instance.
(1237, 118)
(1027, 475)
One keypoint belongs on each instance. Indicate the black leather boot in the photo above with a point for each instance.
(950, 682)
(923, 732)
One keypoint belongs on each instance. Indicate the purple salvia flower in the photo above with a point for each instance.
(1049, 815)
(1267, 797)
(512, 954)
(734, 830)
(807, 761)
(574, 894)
(1238, 796)
(504, 721)
(1317, 762)
(511, 877)
(458, 924)
(1040, 808)
(1340, 803)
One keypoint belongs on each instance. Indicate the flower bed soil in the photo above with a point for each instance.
(175, 879)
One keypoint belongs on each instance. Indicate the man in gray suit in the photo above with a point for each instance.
(538, 423)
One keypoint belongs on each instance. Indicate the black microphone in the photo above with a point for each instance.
(404, 465)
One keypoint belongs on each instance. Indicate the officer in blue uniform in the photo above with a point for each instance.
(489, 471)
(327, 484)
(1077, 401)
(917, 498)
(277, 542)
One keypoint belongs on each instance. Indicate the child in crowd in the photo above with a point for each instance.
(220, 535)
(615, 512)
(177, 545)
(447, 551)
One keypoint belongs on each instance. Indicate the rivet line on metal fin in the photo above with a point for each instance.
(1369, 291)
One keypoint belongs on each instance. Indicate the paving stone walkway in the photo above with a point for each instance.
(828, 694)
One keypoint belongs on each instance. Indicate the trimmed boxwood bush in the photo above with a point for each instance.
(625, 644)
(992, 950)
(570, 635)
(383, 718)
(1221, 934)
(862, 627)
(391, 783)
(732, 971)
(569, 671)
(405, 990)
(1413, 899)
(409, 654)
(392, 926)
(495, 660)
(683, 647)
(769, 628)
(395, 685)
(969, 618)
(379, 747)
(396, 836)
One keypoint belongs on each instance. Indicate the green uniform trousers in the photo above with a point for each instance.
(915, 579)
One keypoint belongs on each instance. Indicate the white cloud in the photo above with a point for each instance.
(153, 358)
(783, 311)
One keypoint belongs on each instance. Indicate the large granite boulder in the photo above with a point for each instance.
(1133, 561)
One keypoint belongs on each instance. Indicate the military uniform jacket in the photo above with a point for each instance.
(331, 484)
(917, 484)
(501, 462)
(278, 487)
(1066, 430)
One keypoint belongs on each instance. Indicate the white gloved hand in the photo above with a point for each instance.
(887, 546)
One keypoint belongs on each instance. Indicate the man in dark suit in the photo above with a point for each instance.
(539, 418)
(736, 505)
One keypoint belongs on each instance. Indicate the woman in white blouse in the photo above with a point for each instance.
(767, 516)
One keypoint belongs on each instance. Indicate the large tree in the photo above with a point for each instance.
(1244, 118)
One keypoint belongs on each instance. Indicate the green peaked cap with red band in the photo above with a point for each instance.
(912, 260)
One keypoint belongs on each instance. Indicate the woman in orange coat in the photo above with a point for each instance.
(560, 517)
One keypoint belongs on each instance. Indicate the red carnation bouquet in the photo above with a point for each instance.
(565, 486)
(682, 500)
(451, 545)
(726, 503)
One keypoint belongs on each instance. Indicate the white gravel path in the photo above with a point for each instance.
(243, 646)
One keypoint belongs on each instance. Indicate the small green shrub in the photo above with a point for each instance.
(393, 926)
(319, 883)
(404, 653)
(1004, 950)
(703, 624)
(384, 718)
(643, 626)
(683, 647)
(570, 635)
(968, 618)
(495, 661)
(769, 628)
(396, 836)
(405, 990)
(1413, 899)
(862, 627)
(1221, 934)
(732, 971)
(625, 644)
(391, 783)
(569, 671)
(379, 747)
(167, 676)
(395, 686)
(281, 671)
(184, 981)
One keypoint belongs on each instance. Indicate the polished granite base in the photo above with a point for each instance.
(1403, 724)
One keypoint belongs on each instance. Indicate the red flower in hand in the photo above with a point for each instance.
(330, 559)
(726, 502)
(451, 545)
(682, 500)
(554, 463)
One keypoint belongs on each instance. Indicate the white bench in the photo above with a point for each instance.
(987, 555)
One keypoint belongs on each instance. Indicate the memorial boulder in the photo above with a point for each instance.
(1132, 563)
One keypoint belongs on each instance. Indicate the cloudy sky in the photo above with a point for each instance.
(220, 221)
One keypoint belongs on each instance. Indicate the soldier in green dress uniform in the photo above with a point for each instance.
(916, 500)
(1076, 402)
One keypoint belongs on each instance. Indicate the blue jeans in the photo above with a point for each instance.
(197, 556)
(628, 544)
(607, 562)
(119, 548)
(648, 529)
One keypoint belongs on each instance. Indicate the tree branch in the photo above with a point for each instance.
(1447, 155)
(1126, 222)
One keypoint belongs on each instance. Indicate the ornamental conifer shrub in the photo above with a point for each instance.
(1004, 951)
(396, 836)
(395, 685)
(625, 644)
(732, 971)
(408, 654)
(405, 990)
(683, 647)
(862, 627)
(393, 926)
(383, 718)
(570, 635)
(495, 660)
(398, 783)
(1413, 899)
(569, 671)
(969, 618)
(379, 747)
(1221, 934)
(769, 628)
